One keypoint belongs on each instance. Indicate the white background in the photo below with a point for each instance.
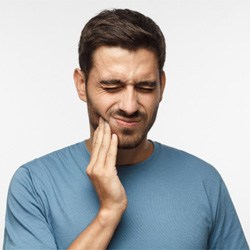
(206, 105)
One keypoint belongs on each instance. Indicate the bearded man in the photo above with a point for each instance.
(117, 189)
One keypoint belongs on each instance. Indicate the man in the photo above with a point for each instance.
(118, 189)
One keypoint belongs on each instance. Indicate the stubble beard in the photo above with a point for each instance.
(127, 138)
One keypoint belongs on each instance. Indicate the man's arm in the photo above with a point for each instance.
(113, 202)
(227, 232)
(26, 225)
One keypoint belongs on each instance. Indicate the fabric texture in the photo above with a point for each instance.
(175, 201)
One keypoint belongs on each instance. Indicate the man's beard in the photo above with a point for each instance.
(127, 138)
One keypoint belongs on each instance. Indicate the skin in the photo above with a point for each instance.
(123, 93)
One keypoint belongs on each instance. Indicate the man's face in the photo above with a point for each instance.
(124, 89)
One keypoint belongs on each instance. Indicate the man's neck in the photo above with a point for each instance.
(135, 155)
(130, 156)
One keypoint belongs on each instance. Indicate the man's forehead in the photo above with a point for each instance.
(122, 76)
(116, 63)
(107, 57)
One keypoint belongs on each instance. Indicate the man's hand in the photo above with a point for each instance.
(113, 201)
(102, 170)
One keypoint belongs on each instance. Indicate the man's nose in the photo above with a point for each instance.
(129, 101)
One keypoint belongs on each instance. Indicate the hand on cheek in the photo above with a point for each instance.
(102, 169)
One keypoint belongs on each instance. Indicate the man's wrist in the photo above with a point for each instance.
(109, 217)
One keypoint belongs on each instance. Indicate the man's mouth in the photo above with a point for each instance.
(125, 122)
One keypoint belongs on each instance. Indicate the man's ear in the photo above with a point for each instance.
(80, 84)
(163, 83)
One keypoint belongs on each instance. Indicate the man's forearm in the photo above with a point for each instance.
(99, 233)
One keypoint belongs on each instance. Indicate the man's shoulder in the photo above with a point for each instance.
(57, 160)
(184, 161)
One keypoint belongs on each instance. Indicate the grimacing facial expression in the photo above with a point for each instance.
(124, 89)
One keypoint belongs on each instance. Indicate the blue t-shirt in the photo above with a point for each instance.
(175, 201)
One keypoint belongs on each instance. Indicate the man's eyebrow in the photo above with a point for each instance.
(147, 83)
(111, 82)
(141, 83)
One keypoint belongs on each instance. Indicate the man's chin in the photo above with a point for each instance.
(126, 146)
(129, 144)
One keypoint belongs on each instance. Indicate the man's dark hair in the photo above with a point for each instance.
(123, 28)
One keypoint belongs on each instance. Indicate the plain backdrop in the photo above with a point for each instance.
(206, 105)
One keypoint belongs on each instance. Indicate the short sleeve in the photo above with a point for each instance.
(26, 226)
(227, 232)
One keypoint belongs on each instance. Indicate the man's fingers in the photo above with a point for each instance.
(103, 150)
(112, 152)
(97, 141)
